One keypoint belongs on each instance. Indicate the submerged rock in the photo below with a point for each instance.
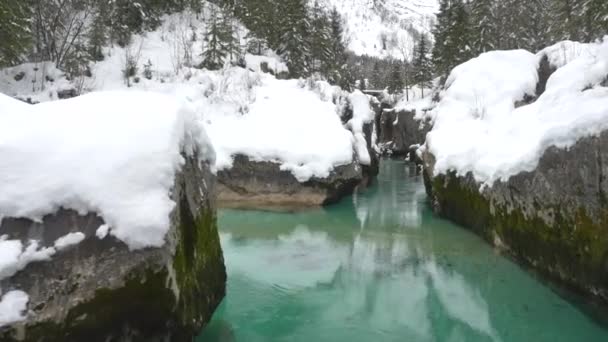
(554, 218)
(100, 290)
(253, 184)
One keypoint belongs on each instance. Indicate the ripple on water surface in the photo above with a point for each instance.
(379, 266)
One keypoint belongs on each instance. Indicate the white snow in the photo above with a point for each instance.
(102, 231)
(274, 63)
(113, 153)
(562, 53)
(478, 129)
(69, 240)
(283, 122)
(362, 114)
(385, 28)
(14, 256)
(12, 307)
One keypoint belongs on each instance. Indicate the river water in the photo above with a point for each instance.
(380, 266)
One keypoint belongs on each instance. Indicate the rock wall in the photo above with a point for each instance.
(399, 131)
(251, 184)
(99, 290)
(554, 218)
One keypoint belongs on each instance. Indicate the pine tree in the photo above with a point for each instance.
(441, 32)
(484, 35)
(595, 13)
(294, 30)
(338, 70)
(98, 32)
(14, 30)
(215, 51)
(422, 65)
(452, 36)
(320, 41)
(567, 20)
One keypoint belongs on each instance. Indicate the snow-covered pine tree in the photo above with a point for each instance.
(423, 72)
(566, 20)
(320, 41)
(14, 30)
(294, 33)
(97, 34)
(453, 37)
(338, 71)
(595, 13)
(230, 38)
(484, 31)
(441, 33)
(214, 49)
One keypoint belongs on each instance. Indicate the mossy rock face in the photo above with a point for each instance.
(99, 290)
(554, 218)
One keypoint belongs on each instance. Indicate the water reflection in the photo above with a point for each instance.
(379, 267)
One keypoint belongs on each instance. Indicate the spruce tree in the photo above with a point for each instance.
(215, 50)
(441, 33)
(320, 41)
(294, 30)
(338, 70)
(595, 13)
(566, 20)
(14, 30)
(98, 31)
(484, 32)
(422, 65)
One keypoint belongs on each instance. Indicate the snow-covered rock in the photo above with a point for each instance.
(479, 128)
(105, 197)
(529, 176)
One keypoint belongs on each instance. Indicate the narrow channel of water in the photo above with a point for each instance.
(379, 266)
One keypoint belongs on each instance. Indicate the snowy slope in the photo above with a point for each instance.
(385, 28)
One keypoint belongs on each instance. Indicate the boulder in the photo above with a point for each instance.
(554, 219)
(100, 290)
(262, 184)
(399, 131)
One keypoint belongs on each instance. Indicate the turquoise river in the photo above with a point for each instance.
(380, 266)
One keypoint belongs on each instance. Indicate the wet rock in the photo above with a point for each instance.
(263, 185)
(99, 290)
(554, 218)
(399, 131)
(67, 93)
(19, 76)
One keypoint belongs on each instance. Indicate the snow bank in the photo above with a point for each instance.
(478, 129)
(113, 153)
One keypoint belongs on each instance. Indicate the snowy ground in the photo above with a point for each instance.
(478, 129)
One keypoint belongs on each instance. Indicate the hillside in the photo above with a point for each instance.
(385, 28)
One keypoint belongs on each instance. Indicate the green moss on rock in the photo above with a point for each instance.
(573, 250)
